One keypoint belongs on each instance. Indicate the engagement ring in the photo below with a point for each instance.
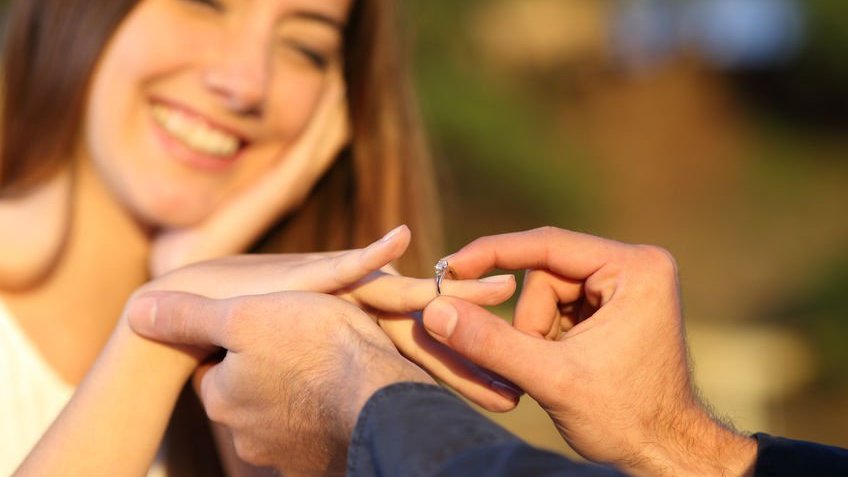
(441, 269)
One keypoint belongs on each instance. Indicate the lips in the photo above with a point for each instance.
(200, 136)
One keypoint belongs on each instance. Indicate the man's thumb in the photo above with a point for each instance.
(178, 318)
(487, 340)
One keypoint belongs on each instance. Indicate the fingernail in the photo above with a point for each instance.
(509, 391)
(499, 279)
(440, 318)
(501, 385)
(144, 308)
(447, 258)
(389, 236)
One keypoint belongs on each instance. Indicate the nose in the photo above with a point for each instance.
(238, 73)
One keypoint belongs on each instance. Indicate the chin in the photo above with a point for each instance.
(171, 219)
(171, 213)
(178, 220)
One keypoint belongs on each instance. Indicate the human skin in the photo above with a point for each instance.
(598, 340)
(264, 74)
(392, 300)
(299, 368)
(229, 71)
(245, 69)
(115, 205)
(136, 381)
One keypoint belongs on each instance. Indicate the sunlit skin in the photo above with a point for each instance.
(252, 70)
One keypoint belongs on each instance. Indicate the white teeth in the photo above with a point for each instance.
(195, 134)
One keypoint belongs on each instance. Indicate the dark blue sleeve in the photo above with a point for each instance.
(417, 430)
(780, 457)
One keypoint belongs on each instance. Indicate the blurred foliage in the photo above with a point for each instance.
(799, 106)
(497, 140)
(812, 90)
(828, 36)
(819, 310)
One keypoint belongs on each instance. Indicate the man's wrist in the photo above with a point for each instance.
(387, 367)
(697, 444)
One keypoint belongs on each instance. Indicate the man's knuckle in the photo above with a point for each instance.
(213, 403)
(235, 318)
(658, 259)
(546, 231)
(247, 450)
(478, 243)
(549, 234)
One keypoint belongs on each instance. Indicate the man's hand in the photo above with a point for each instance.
(598, 341)
(298, 369)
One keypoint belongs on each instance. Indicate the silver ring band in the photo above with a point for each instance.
(441, 269)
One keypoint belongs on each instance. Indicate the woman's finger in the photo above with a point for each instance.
(401, 295)
(262, 274)
(337, 272)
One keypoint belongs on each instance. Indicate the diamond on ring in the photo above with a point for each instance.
(441, 269)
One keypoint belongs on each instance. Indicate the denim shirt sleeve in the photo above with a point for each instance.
(779, 457)
(418, 430)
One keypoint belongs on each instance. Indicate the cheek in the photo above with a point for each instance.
(143, 49)
(293, 101)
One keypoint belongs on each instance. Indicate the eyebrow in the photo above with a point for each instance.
(319, 17)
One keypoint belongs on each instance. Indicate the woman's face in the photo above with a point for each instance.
(192, 100)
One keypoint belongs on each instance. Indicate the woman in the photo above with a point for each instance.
(143, 135)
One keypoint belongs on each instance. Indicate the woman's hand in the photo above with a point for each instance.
(364, 278)
(239, 222)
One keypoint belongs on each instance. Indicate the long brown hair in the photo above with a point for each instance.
(382, 179)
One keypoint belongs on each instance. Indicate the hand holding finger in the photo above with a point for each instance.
(488, 341)
(394, 294)
(393, 298)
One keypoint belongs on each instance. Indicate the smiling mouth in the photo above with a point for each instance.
(194, 133)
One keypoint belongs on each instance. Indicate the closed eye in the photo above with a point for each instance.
(317, 59)
(214, 4)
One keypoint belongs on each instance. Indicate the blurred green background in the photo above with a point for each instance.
(714, 128)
